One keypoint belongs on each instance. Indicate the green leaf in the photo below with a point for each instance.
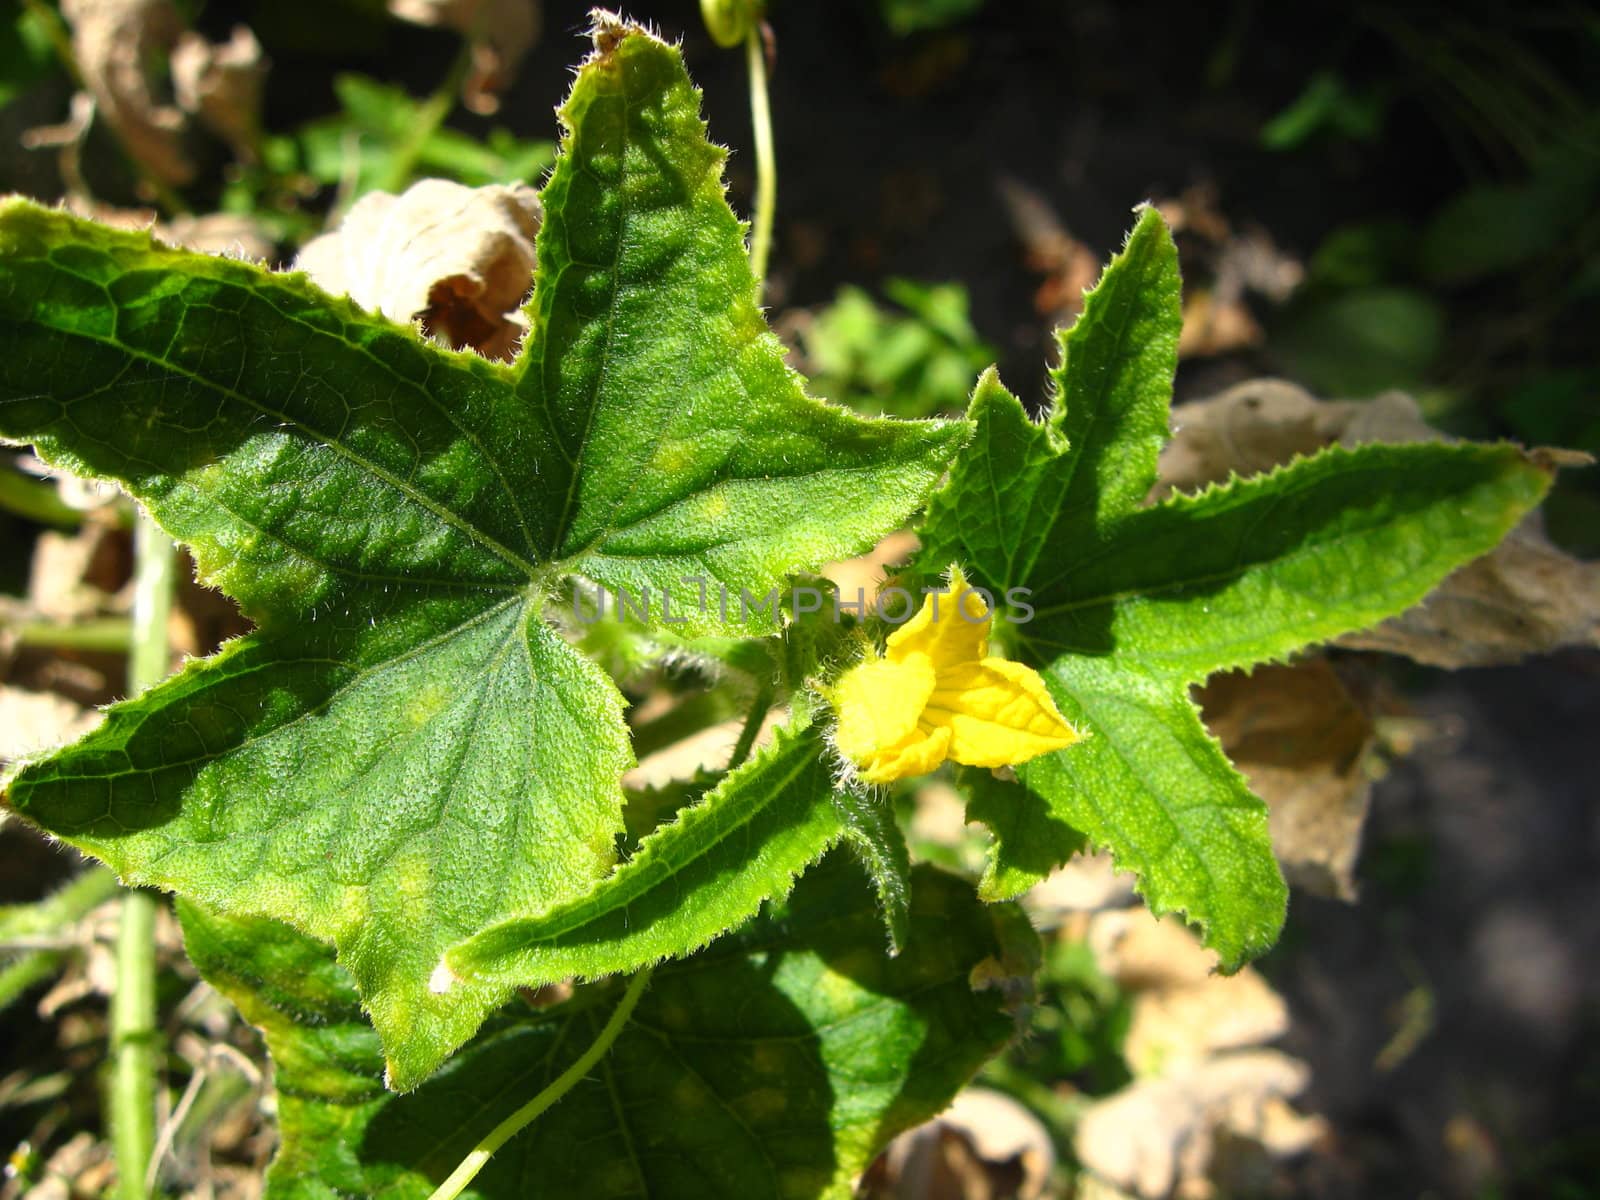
(708, 870)
(906, 17)
(405, 752)
(26, 55)
(1030, 839)
(775, 1063)
(1327, 105)
(1123, 608)
(1115, 386)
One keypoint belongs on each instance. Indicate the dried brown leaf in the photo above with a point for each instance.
(115, 42)
(75, 575)
(117, 45)
(1213, 326)
(221, 82)
(1173, 1027)
(1145, 954)
(1192, 1040)
(1216, 319)
(67, 138)
(1158, 1137)
(500, 31)
(1069, 267)
(1526, 597)
(1301, 739)
(983, 1147)
(35, 721)
(457, 259)
(1088, 883)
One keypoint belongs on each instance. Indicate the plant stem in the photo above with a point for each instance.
(752, 726)
(49, 916)
(97, 635)
(133, 1005)
(431, 114)
(90, 889)
(766, 159)
(156, 572)
(36, 499)
(133, 1045)
(563, 1083)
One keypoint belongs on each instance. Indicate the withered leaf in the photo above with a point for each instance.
(114, 43)
(222, 82)
(1301, 739)
(458, 259)
(501, 32)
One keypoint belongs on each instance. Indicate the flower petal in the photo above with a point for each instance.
(950, 628)
(998, 713)
(879, 703)
(924, 750)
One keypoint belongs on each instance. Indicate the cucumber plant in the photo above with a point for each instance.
(396, 807)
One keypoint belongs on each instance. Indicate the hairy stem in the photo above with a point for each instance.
(559, 1087)
(134, 1047)
(766, 159)
(752, 726)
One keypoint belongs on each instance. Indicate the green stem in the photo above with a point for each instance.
(431, 114)
(133, 1045)
(90, 889)
(96, 635)
(766, 159)
(563, 1083)
(752, 726)
(156, 574)
(60, 39)
(134, 1048)
(36, 499)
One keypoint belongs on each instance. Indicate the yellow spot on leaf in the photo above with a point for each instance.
(762, 1106)
(936, 693)
(425, 703)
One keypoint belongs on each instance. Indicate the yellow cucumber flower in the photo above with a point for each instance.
(936, 694)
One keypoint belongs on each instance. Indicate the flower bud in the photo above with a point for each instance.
(731, 21)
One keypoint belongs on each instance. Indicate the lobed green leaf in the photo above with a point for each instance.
(776, 1063)
(1122, 607)
(405, 752)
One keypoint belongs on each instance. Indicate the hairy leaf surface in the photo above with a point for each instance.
(775, 1063)
(707, 870)
(1131, 605)
(406, 751)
